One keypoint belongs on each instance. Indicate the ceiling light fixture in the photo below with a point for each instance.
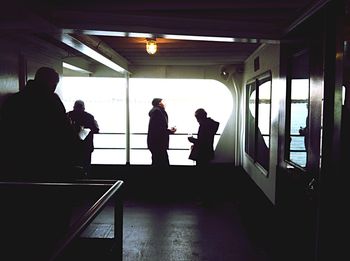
(151, 46)
(173, 36)
(81, 47)
(74, 68)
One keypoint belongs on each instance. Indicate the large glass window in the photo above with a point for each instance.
(258, 113)
(105, 98)
(182, 98)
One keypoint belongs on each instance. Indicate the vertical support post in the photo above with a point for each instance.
(118, 226)
(127, 76)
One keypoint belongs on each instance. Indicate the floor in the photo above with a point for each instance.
(180, 231)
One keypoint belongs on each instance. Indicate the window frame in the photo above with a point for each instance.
(297, 53)
(252, 139)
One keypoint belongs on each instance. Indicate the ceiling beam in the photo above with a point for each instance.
(83, 48)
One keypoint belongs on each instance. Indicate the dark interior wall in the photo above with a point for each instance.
(174, 182)
(9, 58)
(20, 57)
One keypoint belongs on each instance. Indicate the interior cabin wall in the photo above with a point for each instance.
(19, 60)
(269, 55)
(227, 150)
(230, 147)
(9, 67)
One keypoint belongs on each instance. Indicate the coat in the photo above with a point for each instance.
(86, 120)
(36, 137)
(158, 133)
(203, 145)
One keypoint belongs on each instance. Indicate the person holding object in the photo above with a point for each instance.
(202, 149)
(86, 126)
(158, 133)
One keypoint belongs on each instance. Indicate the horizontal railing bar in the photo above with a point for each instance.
(55, 184)
(87, 218)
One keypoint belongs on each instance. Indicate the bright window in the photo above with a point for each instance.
(105, 98)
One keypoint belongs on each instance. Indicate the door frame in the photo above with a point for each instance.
(308, 192)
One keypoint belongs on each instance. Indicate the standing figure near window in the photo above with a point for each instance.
(86, 126)
(304, 131)
(158, 133)
(202, 148)
(37, 140)
(37, 143)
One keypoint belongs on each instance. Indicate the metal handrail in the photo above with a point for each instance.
(81, 182)
(142, 133)
(88, 217)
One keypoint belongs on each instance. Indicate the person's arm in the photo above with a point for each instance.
(95, 128)
(172, 130)
(91, 123)
(192, 139)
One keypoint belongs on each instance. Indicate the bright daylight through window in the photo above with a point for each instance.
(105, 98)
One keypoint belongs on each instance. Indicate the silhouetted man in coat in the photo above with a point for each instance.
(84, 121)
(203, 145)
(37, 143)
(36, 139)
(158, 133)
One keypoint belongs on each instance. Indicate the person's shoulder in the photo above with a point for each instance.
(11, 98)
(71, 114)
(11, 105)
(154, 111)
(88, 114)
(213, 123)
(30, 83)
(52, 96)
(57, 100)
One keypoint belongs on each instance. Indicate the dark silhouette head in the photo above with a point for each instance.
(79, 105)
(200, 114)
(47, 77)
(156, 101)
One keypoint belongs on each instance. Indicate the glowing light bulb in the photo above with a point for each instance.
(151, 46)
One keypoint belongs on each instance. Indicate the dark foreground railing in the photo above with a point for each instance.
(34, 218)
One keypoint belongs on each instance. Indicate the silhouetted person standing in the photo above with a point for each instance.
(37, 143)
(203, 145)
(84, 121)
(158, 133)
(37, 140)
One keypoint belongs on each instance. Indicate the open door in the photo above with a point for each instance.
(309, 133)
(298, 172)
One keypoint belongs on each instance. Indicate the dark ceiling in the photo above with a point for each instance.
(250, 22)
(179, 52)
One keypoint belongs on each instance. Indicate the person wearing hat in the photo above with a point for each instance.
(158, 133)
